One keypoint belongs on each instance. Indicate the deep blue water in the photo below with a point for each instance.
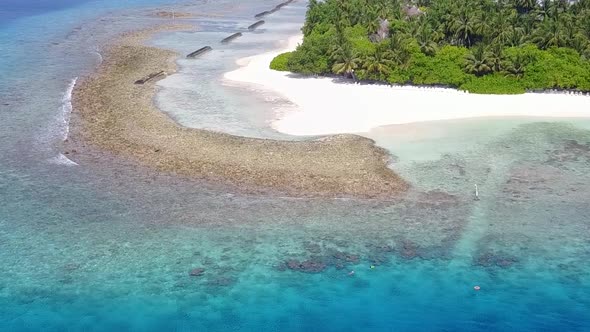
(108, 246)
(13, 9)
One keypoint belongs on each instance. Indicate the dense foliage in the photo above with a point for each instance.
(483, 46)
(280, 62)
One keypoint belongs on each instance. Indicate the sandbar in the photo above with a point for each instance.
(113, 114)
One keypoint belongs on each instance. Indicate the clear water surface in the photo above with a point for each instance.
(109, 247)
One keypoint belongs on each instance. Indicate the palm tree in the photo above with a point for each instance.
(546, 9)
(463, 28)
(383, 9)
(561, 6)
(446, 23)
(528, 24)
(337, 44)
(371, 19)
(517, 37)
(398, 51)
(483, 29)
(581, 5)
(550, 34)
(516, 67)
(579, 42)
(502, 28)
(525, 6)
(585, 23)
(378, 64)
(427, 40)
(478, 61)
(342, 19)
(346, 61)
(312, 17)
(496, 57)
(357, 11)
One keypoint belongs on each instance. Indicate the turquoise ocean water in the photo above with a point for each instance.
(109, 246)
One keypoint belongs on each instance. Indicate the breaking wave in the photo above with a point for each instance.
(66, 109)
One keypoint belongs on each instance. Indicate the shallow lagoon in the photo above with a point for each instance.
(109, 246)
(118, 253)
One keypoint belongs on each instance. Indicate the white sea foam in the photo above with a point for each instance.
(66, 109)
(60, 159)
(62, 127)
(97, 52)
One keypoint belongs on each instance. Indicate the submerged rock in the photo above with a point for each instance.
(221, 282)
(196, 272)
(437, 198)
(344, 257)
(308, 266)
(384, 248)
(489, 259)
(313, 248)
(408, 250)
(378, 259)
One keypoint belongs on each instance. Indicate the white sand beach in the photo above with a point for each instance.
(325, 106)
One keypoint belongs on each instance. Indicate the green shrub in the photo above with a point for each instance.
(312, 57)
(301, 62)
(399, 76)
(560, 68)
(494, 84)
(445, 68)
(280, 62)
(359, 40)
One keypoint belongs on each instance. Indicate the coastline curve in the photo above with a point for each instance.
(115, 115)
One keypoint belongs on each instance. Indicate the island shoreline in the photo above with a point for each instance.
(359, 107)
(113, 114)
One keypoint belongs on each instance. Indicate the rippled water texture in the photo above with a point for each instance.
(110, 246)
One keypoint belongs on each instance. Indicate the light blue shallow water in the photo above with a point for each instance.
(109, 246)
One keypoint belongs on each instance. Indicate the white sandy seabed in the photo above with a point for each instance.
(328, 107)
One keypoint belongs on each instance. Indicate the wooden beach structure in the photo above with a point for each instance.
(151, 77)
(264, 13)
(277, 7)
(281, 5)
(232, 37)
(198, 52)
(256, 25)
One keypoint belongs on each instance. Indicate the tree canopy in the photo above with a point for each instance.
(483, 46)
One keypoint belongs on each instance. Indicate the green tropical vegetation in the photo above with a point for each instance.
(482, 46)
(280, 62)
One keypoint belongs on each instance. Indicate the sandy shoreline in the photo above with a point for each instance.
(327, 107)
(113, 114)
